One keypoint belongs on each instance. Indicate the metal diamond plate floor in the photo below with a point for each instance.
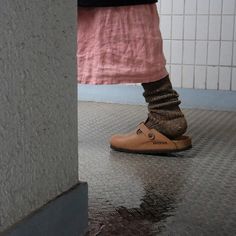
(189, 193)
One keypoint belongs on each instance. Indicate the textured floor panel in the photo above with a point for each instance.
(189, 193)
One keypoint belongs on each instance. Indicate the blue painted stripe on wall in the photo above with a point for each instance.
(132, 94)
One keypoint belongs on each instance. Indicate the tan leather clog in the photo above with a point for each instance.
(148, 141)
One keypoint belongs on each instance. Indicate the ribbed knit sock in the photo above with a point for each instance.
(163, 105)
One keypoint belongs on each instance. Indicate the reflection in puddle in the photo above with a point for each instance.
(142, 220)
(154, 207)
(142, 192)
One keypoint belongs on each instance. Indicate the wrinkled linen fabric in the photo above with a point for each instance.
(119, 45)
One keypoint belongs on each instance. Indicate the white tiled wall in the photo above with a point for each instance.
(200, 42)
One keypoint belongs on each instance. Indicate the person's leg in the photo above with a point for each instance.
(163, 130)
(163, 105)
(165, 118)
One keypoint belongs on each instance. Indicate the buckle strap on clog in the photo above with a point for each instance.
(155, 136)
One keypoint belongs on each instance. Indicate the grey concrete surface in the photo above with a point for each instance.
(191, 193)
(65, 215)
(38, 104)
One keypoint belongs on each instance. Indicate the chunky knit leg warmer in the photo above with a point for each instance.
(163, 106)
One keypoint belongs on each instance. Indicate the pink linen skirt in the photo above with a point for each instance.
(119, 45)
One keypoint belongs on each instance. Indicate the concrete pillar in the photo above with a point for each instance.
(38, 120)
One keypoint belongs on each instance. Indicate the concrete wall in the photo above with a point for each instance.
(38, 105)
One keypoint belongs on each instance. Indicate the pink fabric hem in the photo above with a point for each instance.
(158, 76)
